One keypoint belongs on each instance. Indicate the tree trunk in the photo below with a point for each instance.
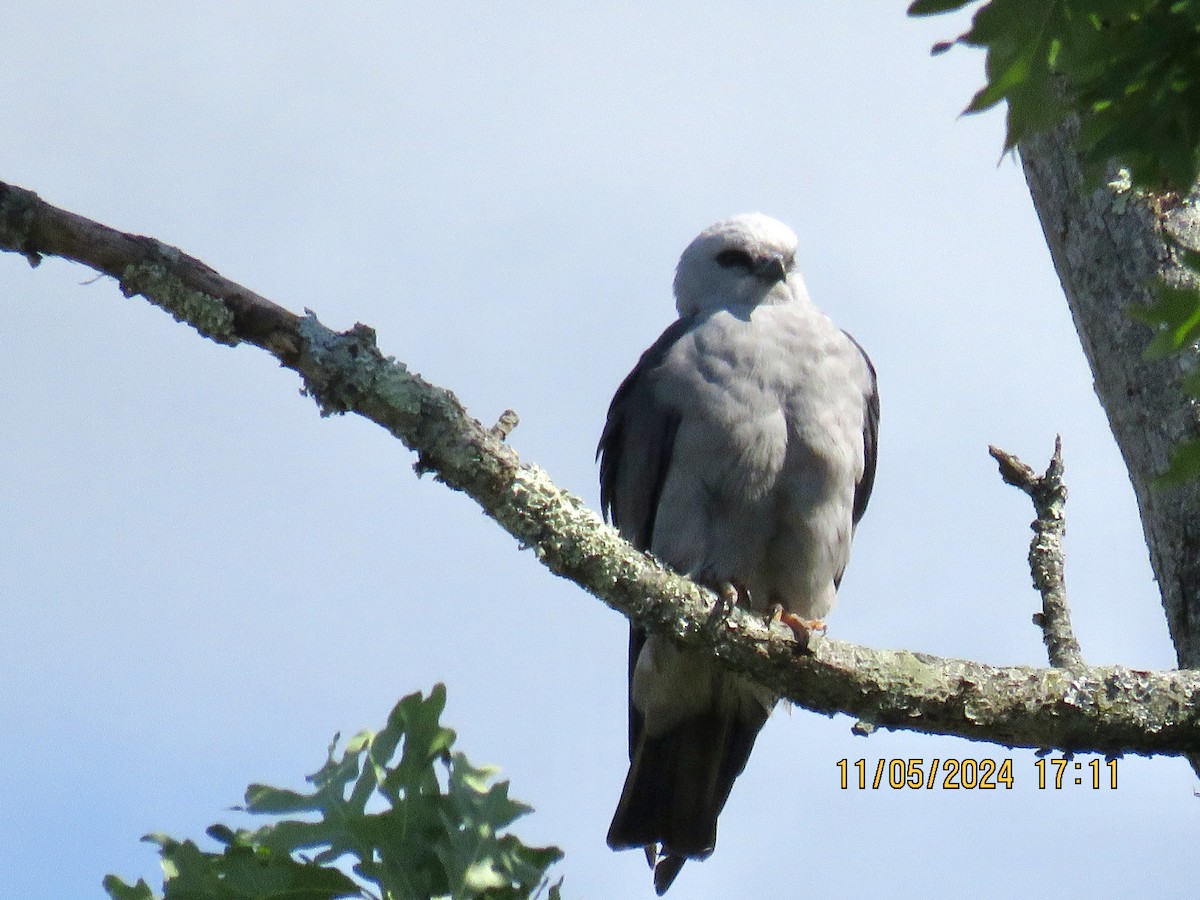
(1109, 247)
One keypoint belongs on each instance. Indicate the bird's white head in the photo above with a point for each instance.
(745, 260)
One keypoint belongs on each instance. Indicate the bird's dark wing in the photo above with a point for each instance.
(635, 456)
(862, 490)
(635, 447)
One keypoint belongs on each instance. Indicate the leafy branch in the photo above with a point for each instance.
(438, 835)
(1130, 69)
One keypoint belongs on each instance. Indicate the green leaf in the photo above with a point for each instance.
(1189, 258)
(476, 800)
(292, 835)
(999, 88)
(425, 741)
(477, 858)
(1191, 384)
(1007, 26)
(262, 798)
(1184, 466)
(933, 7)
(333, 777)
(119, 890)
(1175, 317)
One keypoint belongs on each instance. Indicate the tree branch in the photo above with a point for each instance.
(1107, 710)
(1046, 556)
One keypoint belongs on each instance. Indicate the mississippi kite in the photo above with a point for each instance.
(741, 451)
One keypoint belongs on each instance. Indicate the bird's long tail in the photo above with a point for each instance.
(677, 785)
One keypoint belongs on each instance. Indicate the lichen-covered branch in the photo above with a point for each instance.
(1106, 710)
(1046, 555)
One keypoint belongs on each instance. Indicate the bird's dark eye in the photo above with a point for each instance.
(735, 259)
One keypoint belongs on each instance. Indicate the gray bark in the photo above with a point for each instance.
(1109, 247)
(1046, 556)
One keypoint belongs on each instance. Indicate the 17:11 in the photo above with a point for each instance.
(1063, 767)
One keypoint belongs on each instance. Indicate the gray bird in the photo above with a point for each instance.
(740, 451)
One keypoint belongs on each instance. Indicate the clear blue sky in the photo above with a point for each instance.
(202, 580)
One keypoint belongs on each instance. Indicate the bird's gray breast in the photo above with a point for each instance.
(760, 485)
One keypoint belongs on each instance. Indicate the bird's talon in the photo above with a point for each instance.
(727, 598)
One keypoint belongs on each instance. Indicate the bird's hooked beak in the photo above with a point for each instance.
(770, 269)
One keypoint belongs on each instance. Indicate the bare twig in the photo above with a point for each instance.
(505, 424)
(1049, 496)
(1107, 710)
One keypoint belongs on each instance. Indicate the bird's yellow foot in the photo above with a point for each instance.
(802, 629)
